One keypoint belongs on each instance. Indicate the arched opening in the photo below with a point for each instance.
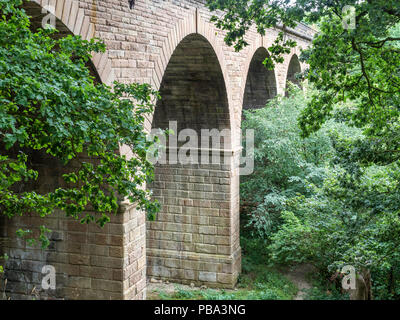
(193, 89)
(293, 70)
(192, 239)
(260, 83)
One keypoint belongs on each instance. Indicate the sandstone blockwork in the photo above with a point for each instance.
(204, 85)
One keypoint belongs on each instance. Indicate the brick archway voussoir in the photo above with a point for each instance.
(74, 18)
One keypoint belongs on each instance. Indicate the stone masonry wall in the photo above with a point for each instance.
(194, 238)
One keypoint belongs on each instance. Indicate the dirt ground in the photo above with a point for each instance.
(298, 276)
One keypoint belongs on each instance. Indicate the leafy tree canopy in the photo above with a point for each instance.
(312, 201)
(50, 104)
(360, 64)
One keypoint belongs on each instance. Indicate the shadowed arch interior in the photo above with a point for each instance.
(260, 84)
(293, 69)
(193, 91)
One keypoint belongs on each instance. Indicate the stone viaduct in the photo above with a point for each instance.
(204, 84)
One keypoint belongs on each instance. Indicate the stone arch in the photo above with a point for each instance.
(193, 90)
(261, 83)
(191, 24)
(195, 237)
(71, 19)
(294, 68)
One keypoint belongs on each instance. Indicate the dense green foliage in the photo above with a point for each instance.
(283, 160)
(311, 202)
(51, 105)
(361, 63)
(346, 209)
